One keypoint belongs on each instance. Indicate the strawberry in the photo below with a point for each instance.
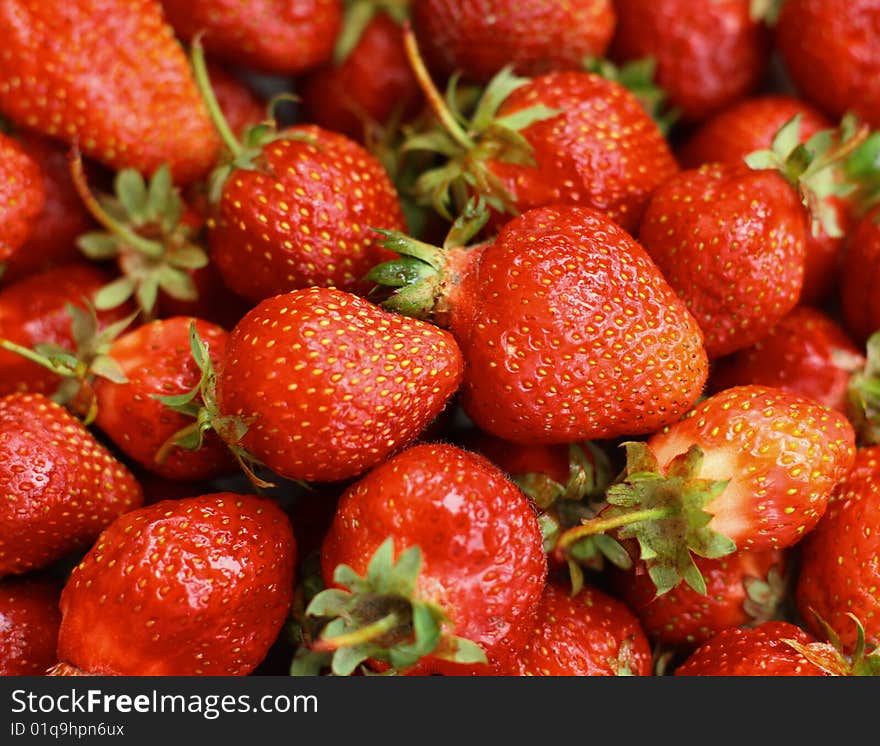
(22, 196)
(270, 36)
(157, 363)
(369, 83)
(833, 57)
(321, 385)
(29, 619)
(708, 55)
(746, 126)
(588, 634)
(109, 76)
(567, 137)
(731, 238)
(839, 573)
(34, 312)
(469, 568)
(762, 651)
(568, 330)
(807, 353)
(302, 216)
(859, 304)
(742, 589)
(751, 125)
(478, 39)
(62, 218)
(749, 468)
(62, 486)
(196, 586)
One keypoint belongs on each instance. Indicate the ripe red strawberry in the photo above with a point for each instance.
(109, 76)
(22, 195)
(52, 240)
(33, 312)
(762, 651)
(588, 634)
(839, 574)
(62, 486)
(750, 126)
(369, 83)
(568, 137)
(478, 39)
(302, 216)
(807, 353)
(833, 57)
(749, 468)
(156, 360)
(708, 55)
(731, 238)
(29, 619)
(274, 36)
(328, 385)
(731, 241)
(568, 330)
(742, 589)
(469, 557)
(189, 587)
(746, 126)
(859, 302)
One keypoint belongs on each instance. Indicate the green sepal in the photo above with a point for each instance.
(114, 293)
(97, 245)
(131, 191)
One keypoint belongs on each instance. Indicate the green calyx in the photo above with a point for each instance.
(416, 279)
(145, 233)
(831, 656)
(816, 168)
(357, 16)
(664, 513)
(862, 169)
(79, 367)
(201, 404)
(639, 78)
(467, 141)
(863, 395)
(379, 617)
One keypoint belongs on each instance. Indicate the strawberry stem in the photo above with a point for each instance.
(57, 367)
(438, 105)
(203, 82)
(600, 525)
(359, 636)
(78, 176)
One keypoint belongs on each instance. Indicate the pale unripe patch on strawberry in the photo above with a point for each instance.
(780, 453)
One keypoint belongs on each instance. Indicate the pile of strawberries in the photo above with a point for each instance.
(375, 337)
